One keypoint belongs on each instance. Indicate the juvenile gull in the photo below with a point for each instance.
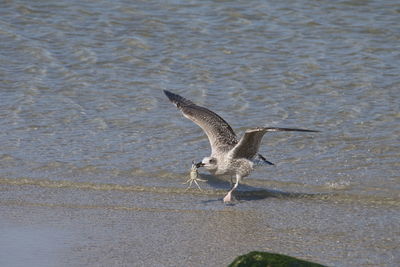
(229, 156)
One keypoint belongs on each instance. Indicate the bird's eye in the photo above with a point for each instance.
(212, 161)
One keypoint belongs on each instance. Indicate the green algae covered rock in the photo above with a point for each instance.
(265, 259)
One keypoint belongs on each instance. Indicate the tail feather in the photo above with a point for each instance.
(264, 159)
(277, 129)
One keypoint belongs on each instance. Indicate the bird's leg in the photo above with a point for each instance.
(228, 197)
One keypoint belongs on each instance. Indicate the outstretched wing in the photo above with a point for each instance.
(250, 142)
(219, 133)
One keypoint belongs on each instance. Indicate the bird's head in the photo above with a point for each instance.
(209, 163)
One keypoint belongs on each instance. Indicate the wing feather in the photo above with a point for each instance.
(250, 142)
(220, 134)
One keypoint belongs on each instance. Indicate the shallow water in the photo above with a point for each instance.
(93, 155)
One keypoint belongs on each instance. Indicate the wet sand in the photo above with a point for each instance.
(67, 226)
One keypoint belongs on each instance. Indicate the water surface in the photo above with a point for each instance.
(93, 155)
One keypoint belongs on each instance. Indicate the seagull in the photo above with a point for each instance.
(229, 155)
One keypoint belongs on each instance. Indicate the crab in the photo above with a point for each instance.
(194, 176)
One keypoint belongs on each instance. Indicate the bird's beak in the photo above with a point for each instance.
(200, 164)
